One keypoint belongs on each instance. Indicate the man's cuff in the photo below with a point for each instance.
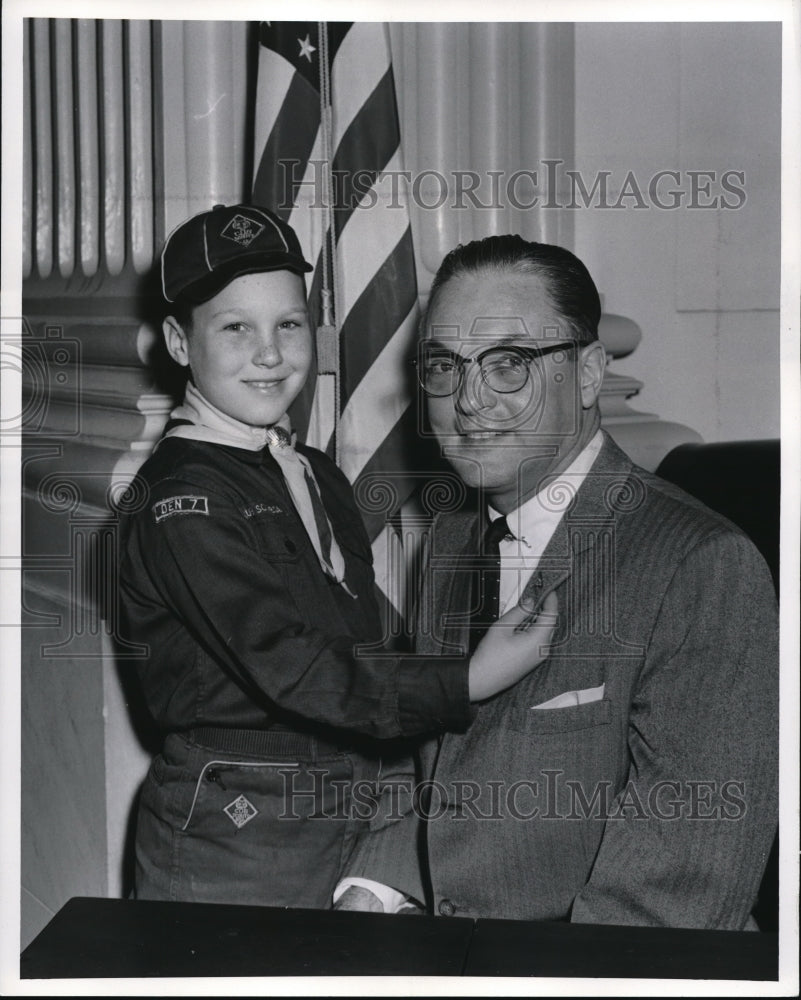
(434, 695)
(390, 898)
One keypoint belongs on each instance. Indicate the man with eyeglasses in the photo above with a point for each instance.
(632, 777)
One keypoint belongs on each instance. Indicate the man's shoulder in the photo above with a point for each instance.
(662, 512)
(658, 526)
(665, 499)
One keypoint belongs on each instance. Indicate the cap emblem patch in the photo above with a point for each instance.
(242, 230)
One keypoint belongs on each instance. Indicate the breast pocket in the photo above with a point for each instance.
(279, 539)
(571, 719)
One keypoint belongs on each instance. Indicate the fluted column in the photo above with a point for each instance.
(132, 126)
(88, 147)
(483, 107)
(202, 141)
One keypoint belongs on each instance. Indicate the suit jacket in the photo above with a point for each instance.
(653, 803)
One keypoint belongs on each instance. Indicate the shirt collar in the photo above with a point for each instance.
(538, 516)
(199, 420)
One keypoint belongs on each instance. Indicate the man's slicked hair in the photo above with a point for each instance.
(570, 288)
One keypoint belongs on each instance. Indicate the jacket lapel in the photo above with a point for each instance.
(604, 490)
(461, 537)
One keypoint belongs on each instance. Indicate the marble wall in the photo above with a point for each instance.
(702, 283)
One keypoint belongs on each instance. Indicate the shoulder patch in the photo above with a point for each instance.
(186, 504)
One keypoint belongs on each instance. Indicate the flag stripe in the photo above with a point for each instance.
(373, 320)
(308, 216)
(301, 411)
(388, 567)
(274, 77)
(372, 231)
(378, 402)
(395, 460)
(358, 68)
(367, 147)
(288, 148)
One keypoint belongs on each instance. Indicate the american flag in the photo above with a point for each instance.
(372, 272)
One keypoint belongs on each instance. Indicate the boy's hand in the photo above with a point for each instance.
(511, 648)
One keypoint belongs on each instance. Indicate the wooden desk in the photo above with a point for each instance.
(123, 938)
(519, 948)
(92, 938)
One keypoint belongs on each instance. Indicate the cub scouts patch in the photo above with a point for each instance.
(180, 505)
(240, 811)
(242, 230)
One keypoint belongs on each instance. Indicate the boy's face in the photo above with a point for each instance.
(248, 348)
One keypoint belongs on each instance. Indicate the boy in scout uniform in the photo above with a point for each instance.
(247, 574)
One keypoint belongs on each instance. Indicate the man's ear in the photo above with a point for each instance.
(176, 341)
(591, 373)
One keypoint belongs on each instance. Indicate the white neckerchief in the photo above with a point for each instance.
(207, 423)
(535, 521)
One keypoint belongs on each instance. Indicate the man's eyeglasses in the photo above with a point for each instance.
(440, 372)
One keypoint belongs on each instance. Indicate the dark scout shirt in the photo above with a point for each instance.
(220, 581)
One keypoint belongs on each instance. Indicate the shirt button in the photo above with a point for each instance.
(289, 545)
(447, 908)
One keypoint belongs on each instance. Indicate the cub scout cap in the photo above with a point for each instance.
(205, 253)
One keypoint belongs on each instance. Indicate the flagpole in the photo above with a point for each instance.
(327, 331)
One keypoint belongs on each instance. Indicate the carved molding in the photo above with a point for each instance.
(123, 139)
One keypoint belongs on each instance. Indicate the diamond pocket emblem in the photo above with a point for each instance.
(240, 811)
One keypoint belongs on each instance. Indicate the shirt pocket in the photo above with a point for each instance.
(279, 539)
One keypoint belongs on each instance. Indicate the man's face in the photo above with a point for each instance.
(248, 348)
(506, 442)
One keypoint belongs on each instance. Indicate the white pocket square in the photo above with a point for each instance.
(569, 698)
